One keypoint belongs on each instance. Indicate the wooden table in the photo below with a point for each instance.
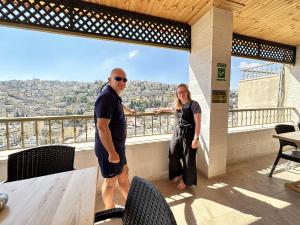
(292, 137)
(57, 199)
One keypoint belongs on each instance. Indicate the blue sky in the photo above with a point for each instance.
(26, 54)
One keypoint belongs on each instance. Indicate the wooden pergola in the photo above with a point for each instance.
(266, 29)
(272, 20)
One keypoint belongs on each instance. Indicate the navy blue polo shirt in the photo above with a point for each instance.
(109, 105)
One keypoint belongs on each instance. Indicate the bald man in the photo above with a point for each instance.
(110, 137)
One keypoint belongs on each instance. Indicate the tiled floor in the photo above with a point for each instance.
(246, 195)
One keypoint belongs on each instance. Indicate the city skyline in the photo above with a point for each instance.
(27, 54)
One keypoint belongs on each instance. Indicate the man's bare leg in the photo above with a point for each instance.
(108, 188)
(123, 181)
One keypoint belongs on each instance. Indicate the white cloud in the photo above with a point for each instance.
(133, 54)
(120, 61)
(244, 65)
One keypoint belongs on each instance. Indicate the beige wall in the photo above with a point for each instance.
(243, 145)
(292, 84)
(148, 159)
(258, 93)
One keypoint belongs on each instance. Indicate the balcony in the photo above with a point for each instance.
(148, 137)
(245, 196)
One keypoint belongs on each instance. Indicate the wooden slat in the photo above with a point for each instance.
(273, 20)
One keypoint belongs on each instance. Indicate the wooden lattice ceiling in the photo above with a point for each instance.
(273, 20)
(132, 23)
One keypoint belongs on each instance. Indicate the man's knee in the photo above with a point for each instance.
(125, 172)
(110, 182)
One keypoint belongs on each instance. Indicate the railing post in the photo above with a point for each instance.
(86, 130)
(167, 124)
(22, 134)
(144, 125)
(50, 132)
(74, 130)
(242, 118)
(62, 131)
(135, 126)
(36, 133)
(7, 135)
(159, 124)
(263, 116)
(152, 124)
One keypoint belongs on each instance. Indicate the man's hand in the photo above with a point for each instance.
(113, 157)
(132, 111)
(129, 111)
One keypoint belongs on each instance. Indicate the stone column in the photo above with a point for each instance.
(292, 86)
(210, 53)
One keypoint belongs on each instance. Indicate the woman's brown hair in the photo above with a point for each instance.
(178, 103)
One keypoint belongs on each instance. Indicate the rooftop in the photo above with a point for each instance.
(246, 195)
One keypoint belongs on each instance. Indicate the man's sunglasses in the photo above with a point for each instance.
(120, 78)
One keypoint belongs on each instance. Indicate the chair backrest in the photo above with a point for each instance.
(40, 161)
(299, 125)
(146, 205)
(285, 128)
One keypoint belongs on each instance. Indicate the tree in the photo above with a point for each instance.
(83, 99)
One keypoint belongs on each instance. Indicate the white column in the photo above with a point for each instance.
(292, 85)
(211, 46)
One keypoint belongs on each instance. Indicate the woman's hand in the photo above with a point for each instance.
(195, 143)
(157, 111)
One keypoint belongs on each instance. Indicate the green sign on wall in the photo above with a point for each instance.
(221, 70)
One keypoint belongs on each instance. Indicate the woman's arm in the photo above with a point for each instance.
(197, 118)
(162, 110)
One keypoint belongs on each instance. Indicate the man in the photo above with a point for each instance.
(110, 137)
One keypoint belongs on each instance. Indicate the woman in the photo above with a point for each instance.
(185, 139)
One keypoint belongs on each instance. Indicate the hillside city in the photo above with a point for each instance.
(28, 98)
(35, 98)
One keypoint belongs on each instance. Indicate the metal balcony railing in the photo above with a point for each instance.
(265, 70)
(260, 116)
(25, 132)
(33, 131)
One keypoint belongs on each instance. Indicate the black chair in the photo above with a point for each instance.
(145, 205)
(292, 155)
(40, 161)
(299, 125)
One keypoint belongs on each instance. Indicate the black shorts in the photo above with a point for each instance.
(108, 169)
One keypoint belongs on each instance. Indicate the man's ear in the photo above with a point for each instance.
(109, 79)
